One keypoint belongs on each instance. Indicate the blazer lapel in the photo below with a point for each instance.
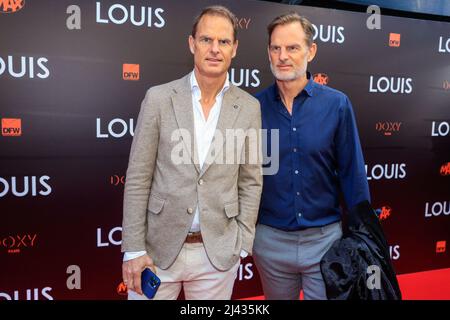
(227, 117)
(182, 106)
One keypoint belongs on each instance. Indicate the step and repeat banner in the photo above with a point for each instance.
(73, 75)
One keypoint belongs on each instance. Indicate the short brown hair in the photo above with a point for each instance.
(220, 11)
(292, 17)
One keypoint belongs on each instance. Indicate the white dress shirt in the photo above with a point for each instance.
(204, 133)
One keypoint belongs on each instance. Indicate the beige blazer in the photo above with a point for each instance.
(161, 194)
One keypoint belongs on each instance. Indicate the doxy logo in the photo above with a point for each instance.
(15, 243)
(388, 127)
(115, 180)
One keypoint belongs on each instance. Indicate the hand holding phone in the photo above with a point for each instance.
(149, 283)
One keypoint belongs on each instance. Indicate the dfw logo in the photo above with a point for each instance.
(24, 67)
(130, 71)
(11, 127)
(394, 39)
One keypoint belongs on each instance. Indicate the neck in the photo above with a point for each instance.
(210, 86)
(290, 89)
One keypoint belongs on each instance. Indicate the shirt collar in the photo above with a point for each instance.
(308, 89)
(195, 88)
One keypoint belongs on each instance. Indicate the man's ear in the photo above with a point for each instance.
(191, 41)
(312, 52)
(235, 46)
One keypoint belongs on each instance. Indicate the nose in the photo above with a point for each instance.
(283, 54)
(215, 46)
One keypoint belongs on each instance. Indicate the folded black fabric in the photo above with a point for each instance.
(351, 261)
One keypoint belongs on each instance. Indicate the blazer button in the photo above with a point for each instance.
(200, 182)
(190, 210)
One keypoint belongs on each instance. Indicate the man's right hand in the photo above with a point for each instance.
(132, 269)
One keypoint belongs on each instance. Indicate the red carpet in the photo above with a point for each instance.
(426, 285)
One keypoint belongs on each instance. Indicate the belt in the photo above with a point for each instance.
(194, 237)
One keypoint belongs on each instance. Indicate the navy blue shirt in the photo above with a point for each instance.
(320, 158)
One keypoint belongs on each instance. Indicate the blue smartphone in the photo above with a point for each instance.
(149, 283)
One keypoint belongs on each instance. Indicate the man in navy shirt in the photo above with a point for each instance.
(320, 159)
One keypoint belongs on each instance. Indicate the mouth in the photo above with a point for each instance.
(214, 60)
(284, 66)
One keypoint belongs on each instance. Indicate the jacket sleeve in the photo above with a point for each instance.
(250, 181)
(350, 160)
(139, 175)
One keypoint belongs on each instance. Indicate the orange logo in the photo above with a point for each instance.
(384, 212)
(116, 180)
(15, 243)
(130, 71)
(11, 6)
(11, 127)
(445, 169)
(321, 78)
(394, 40)
(440, 246)
(122, 289)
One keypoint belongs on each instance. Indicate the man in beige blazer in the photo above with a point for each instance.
(194, 176)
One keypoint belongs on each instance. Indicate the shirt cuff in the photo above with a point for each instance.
(244, 254)
(133, 255)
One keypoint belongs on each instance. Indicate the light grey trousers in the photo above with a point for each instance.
(289, 261)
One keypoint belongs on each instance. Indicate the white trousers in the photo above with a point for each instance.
(193, 272)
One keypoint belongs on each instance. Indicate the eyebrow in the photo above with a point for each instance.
(288, 45)
(210, 37)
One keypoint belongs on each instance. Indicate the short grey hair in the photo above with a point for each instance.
(293, 17)
(220, 11)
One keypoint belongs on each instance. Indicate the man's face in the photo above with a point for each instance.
(213, 46)
(289, 53)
